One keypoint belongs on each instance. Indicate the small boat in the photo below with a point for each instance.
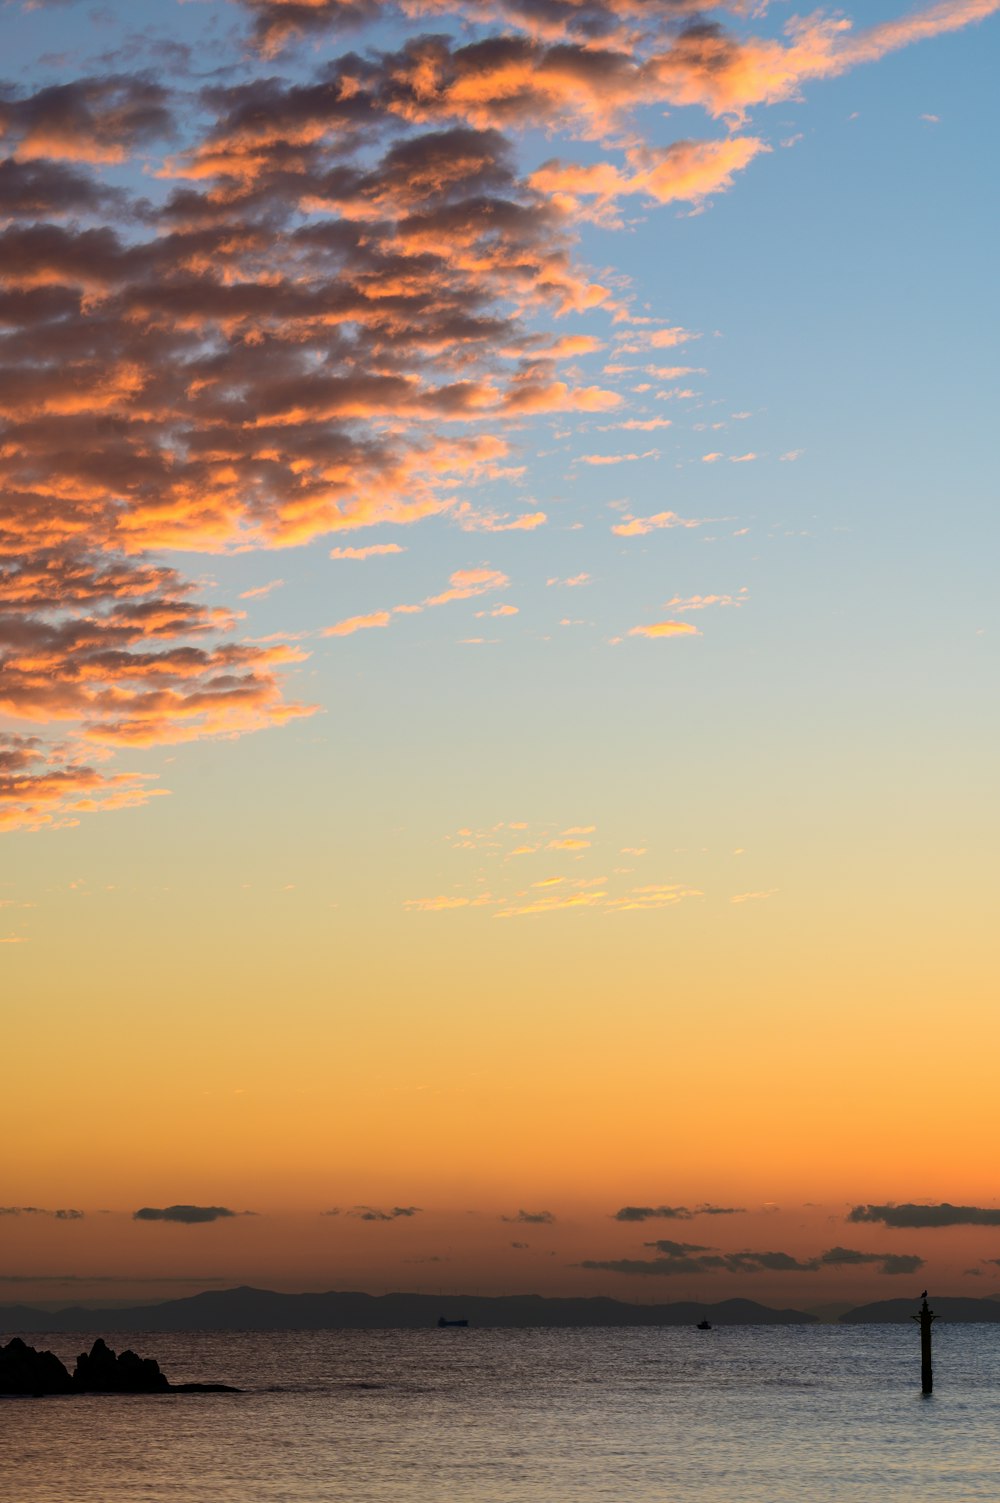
(703, 1325)
(442, 1322)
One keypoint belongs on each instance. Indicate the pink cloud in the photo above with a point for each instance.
(374, 550)
(352, 624)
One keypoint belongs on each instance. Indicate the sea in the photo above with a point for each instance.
(751, 1414)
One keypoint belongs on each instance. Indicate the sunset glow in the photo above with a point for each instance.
(498, 716)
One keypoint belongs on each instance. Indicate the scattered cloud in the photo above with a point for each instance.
(259, 591)
(680, 1259)
(58, 1215)
(464, 584)
(665, 629)
(531, 1218)
(348, 627)
(293, 339)
(912, 1216)
(703, 602)
(471, 520)
(397, 1213)
(673, 1213)
(632, 527)
(373, 550)
(187, 1215)
(606, 459)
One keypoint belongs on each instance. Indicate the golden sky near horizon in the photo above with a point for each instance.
(562, 433)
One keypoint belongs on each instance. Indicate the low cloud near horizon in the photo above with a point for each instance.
(675, 1259)
(912, 1216)
(187, 1215)
(59, 1215)
(372, 1213)
(674, 1213)
(530, 1218)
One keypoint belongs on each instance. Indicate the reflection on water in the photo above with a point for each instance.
(739, 1415)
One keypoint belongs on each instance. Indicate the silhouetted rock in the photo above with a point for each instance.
(101, 1371)
(24, 1370)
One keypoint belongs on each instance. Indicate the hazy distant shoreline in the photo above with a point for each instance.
(245, 1309)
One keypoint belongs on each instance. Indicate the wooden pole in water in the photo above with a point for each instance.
(925, 1316)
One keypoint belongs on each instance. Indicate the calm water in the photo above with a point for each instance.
(761, 1415)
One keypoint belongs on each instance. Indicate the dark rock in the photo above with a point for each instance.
(25, 1371)
(34, 1374)
(101, 1371)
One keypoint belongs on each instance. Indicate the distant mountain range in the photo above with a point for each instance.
(247, 1309)
(945, 1307)
(264, 1310)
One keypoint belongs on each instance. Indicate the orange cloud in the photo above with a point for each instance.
(604, 459)
(260, 591)
(685, 171)
(465, 583)
(703, 602)
(352, 624)
(634, 527)
(374, 550)
(471, 520)
(665, 629)
(285, 340)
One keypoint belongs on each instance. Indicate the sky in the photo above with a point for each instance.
(498, 717)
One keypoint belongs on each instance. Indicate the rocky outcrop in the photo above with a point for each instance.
(25, 1371)
(102, 1371)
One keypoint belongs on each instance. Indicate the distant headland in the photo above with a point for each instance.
(246, 1309)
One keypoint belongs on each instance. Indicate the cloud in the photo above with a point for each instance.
(58, 1215)
(673, 1213)
(685, 171)
(649, 1213)
(633, 527)
(352, 624)
(464, 584)
(680, 1259)
(312, 306)
(890, 1264)
(396, 1213)
(606, 459)
(438, 904)
(187, 1215)
(260, 590)
(665, 629)
(703, 602)
(110, 1278)
(471, 520)
(374, 550)
(531, 1218)
(913, 1216)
